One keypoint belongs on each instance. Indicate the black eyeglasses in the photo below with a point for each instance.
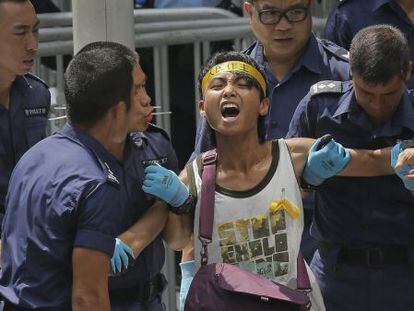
(293, 15)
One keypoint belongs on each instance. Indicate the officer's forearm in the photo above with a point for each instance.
(90, 280)
(366, 163)
(147, 228)
(178, 230)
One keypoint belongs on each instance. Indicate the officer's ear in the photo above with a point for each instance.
(201, 107)
(248, 7)
(264, 106)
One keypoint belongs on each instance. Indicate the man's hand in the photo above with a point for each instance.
(401, 161)
(165, 184)
(325, 161)
(120, 257)
(187, 273)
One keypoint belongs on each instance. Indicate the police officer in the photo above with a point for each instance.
(364, 226)
(140, 287)
(68, 197)
(24, 98)
(293, 59)
(347, 17)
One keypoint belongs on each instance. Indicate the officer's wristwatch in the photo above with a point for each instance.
(185, 208)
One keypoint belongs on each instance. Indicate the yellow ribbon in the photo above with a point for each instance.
(234, 66)
(292, 209)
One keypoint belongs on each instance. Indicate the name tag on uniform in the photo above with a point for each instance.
(36, 112)
(159, 161)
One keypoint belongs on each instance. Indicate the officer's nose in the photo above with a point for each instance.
(283, 24)
(32, 43)
(146, 99)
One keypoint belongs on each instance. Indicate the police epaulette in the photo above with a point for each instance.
(32, 76)
(155, 128)
(326, 86)
(336, 50)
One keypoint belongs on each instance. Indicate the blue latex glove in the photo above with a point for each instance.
(165, 184)
(187, 273)
(325, 162)
(402, 171)
(120, 257)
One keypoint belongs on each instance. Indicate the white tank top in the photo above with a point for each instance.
(247, 233)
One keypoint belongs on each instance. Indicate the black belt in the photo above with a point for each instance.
(145, 292)
(372, 257)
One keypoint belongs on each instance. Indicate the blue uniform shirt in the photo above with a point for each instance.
(143, 149)
(22, 126)
(321, 60)
(355, 210)
(65, 192)
(349, 16)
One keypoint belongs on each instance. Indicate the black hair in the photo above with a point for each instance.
(379, 53)
(97, 78)
(223, 57)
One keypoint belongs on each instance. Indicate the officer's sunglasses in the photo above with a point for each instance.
(293, 15)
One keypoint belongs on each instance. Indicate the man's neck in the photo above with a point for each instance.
(104, 135)
(240, 153)
(242, 163)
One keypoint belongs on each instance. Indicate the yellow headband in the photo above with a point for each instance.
(234, 66)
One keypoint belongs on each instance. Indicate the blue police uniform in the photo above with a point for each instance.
(22, 126)
(347, 17)
(365, 226)
(141, 286)
(65, 192)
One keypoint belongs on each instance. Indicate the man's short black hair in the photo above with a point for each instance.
(379, 53)
(223, 57)
(97, 78)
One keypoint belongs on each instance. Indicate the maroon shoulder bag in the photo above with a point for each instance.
(221, 286)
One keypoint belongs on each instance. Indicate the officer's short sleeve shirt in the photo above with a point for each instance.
(65, 193)
(22, 125)
(144, 148)
(358, 210)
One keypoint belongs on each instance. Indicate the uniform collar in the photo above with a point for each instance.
(22, 83)
(86, 140)
(138, 138)
(403, 117)
(310, 58)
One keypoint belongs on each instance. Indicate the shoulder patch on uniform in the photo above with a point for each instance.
(155, 128)
(110, 175)
(336, 50)
(326, 86)
(33, 77)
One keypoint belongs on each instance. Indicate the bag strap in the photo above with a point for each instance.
(206, 219)
(302, 280)
(208, 187)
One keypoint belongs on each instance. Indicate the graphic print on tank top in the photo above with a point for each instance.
(259, 244)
